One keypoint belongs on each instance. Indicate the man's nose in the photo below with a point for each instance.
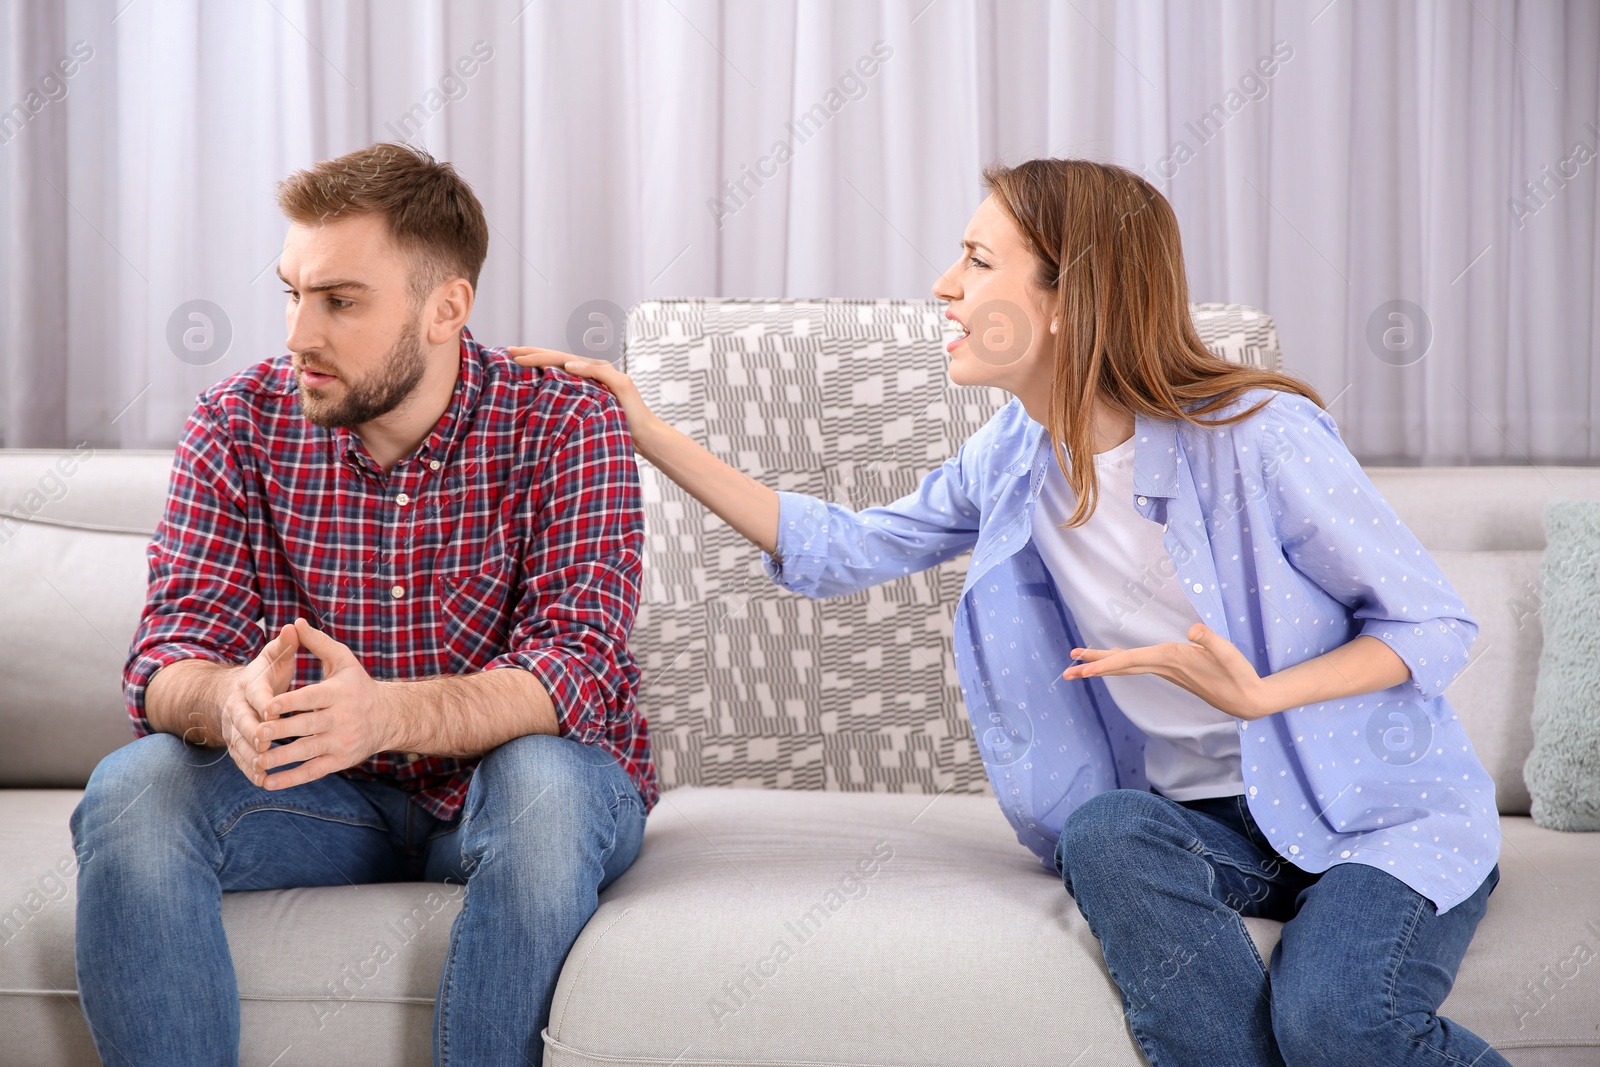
(302, 331)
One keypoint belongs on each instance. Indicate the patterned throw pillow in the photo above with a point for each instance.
(744, 683)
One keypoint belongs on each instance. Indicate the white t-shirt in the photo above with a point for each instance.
(1115, 576)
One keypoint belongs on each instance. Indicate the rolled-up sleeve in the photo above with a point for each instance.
(1335, 528)
(202, 600)
(579, 579)
(826, 549)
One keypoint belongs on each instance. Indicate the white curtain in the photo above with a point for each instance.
(1338, 163)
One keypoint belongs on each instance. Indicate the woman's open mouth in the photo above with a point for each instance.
(956, 330)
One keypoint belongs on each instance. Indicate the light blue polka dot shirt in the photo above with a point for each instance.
(1284, 547)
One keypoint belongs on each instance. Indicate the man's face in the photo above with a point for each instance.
(354, 331)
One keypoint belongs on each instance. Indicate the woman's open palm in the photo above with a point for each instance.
(1209, 666)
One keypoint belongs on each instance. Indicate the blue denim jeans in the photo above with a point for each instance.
(170, 826)
(1363, 963)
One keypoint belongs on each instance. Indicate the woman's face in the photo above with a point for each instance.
(1000, 316)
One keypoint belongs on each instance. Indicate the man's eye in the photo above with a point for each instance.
(292, 293)
(340, 304)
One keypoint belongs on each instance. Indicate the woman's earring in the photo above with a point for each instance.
(1053, 323)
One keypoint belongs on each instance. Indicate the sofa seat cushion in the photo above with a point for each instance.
(943, 942)
(774, 927)
(314, 987)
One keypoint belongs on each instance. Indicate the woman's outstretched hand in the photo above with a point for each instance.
(738, 499)
(1209, 666)
(642, 422)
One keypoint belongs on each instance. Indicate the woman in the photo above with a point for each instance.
(1254, 723)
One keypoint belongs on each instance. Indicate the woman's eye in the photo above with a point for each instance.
(976, 262)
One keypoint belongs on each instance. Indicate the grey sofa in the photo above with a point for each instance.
(827, 879)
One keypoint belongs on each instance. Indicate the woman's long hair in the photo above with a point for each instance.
(1108, 247)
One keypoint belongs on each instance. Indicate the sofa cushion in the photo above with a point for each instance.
(1479, 509)
(764, 927)
(100, 487)
(61, 685)
(314, 986)
(745, 684)
(1493, 694)
(1563, 770)
(74, 524)
(937, 917)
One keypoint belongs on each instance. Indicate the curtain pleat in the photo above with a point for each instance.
(1409, 189)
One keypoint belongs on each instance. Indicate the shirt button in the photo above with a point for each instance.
(402, 499)
(1294, 850)
(1143, 501)
(398, 591)
(1344, 854)
(433, 464)
(1252, 790)
(1198, 588)
(412, 757)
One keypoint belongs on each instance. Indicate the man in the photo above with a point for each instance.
(411, 512)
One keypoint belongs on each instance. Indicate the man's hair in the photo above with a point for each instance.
(431, 211)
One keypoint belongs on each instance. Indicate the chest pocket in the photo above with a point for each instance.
(476, 612)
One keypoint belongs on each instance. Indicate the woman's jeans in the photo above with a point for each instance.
(1361, 967)
(165, 827)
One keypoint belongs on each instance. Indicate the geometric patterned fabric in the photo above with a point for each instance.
(744, 683)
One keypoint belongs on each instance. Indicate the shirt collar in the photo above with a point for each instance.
(441, 440)
(1155, 454)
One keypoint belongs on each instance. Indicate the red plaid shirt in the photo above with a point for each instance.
(511, 537)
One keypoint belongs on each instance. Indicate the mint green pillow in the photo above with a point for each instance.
(1563, 770)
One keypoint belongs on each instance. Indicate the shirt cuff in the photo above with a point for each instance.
(580, 712)
(136, 679)
(1434, 650)
(802, 543)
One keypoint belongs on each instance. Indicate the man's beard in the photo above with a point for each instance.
(376, 395)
